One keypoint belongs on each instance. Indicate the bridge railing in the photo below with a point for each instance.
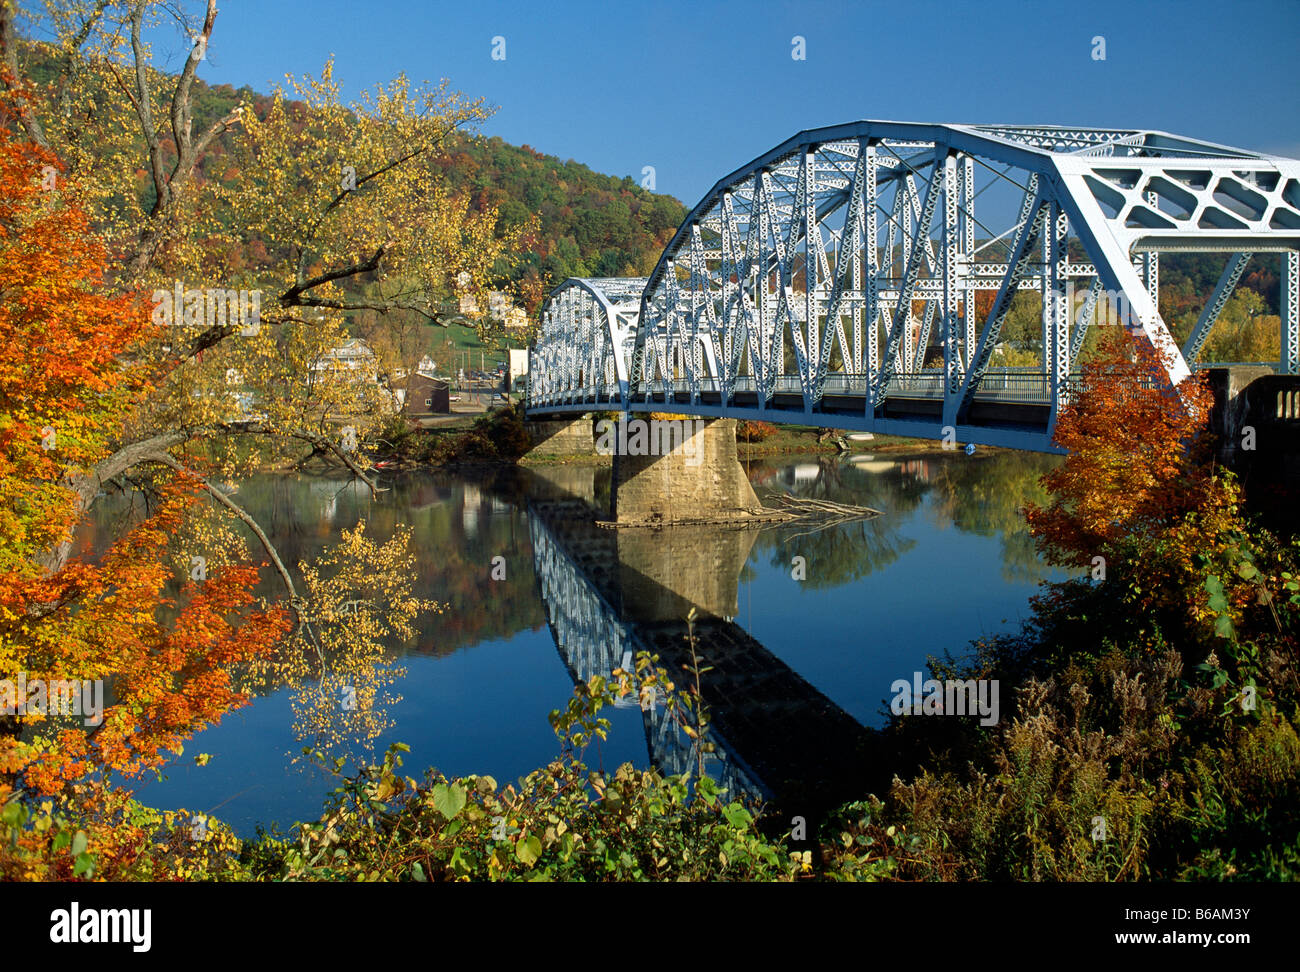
(1023, 385)
(1015, 386)
(1207, 365)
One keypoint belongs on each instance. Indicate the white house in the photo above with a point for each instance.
(352, 355)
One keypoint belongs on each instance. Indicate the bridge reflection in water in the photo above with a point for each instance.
(609, 594)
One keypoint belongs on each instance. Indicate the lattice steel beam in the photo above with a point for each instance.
(786, 251)
(1214, 306)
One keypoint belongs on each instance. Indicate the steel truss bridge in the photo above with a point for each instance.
(837, 279)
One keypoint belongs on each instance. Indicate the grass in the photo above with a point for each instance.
(789, 439)
(465, 338)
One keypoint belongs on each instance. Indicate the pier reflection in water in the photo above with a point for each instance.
(611, 594)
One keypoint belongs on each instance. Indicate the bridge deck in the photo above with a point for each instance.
(1011, 413)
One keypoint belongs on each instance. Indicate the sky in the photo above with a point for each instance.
(698, 88)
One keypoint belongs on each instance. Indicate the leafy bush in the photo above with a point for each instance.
(399, 440)
(1153, 730)
(1117, 769)
(563, 822)
(497, 437)
(747, 431)
(507, 433)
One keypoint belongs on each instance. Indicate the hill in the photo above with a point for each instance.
(590, 224)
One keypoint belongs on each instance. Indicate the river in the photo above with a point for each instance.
(806, 628)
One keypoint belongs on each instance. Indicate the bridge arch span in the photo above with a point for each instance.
(860, 275)
(581, 351)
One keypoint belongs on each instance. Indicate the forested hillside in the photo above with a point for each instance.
(588, 224)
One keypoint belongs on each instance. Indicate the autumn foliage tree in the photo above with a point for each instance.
(1137, 455)
(331, 211)
(69, 381)
(1140, 504)
(338, 211)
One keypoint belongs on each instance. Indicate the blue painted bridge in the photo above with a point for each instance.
(844, 279)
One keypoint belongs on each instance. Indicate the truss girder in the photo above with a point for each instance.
(1291, 313)
(1214, 306)
(777, 281)
(1057, 312)
(903, 312)
(1030, 228)
(1084, 319)
(582, 349)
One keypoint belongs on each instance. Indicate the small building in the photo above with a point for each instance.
(517, 365)
(353, 355)
(427, 395)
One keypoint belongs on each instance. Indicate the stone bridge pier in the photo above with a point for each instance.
(677, 470)
(561, 437)
(666, 470)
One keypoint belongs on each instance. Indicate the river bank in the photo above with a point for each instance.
(501, 437)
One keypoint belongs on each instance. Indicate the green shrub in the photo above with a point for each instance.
(505, 429)
(562, 822)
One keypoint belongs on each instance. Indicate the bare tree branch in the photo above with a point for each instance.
(242, 515)
(344, 194)
(144, 109)
(325, 444)
(182, 120)
(169, 188)
(10, 76)
(297, 603)
(86, 485)
(293, 296)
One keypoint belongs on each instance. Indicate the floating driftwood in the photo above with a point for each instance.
(804, 507)
(722, 518)
(779, 509)
(819, 512)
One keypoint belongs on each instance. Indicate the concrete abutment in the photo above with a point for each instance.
(666, 470)
(699, 479)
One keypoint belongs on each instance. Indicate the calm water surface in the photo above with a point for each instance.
(802, 666)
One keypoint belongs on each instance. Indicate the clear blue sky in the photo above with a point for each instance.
(697, 88)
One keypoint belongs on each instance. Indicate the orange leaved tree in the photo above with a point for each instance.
(1137, 454)
(1141, 504)
(105, 665)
